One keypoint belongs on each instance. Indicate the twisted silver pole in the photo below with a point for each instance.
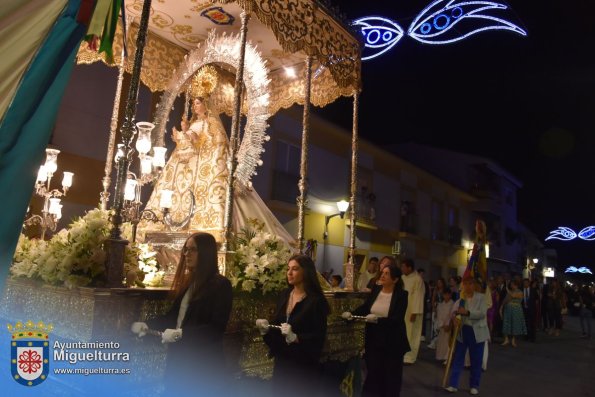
(349, 268)
(234, 140)
(303, 183)
(107, 180)
(116, 245)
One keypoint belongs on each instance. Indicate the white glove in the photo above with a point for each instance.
(262, 325)
(347, 316)
(139, 328)
(290, 337)
(171, 335)
(372, 318)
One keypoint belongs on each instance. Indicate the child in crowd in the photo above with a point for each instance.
(443, 324)
(336, 282)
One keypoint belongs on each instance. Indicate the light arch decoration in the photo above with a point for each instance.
(435, 25)
(564, 233)
(224, 50)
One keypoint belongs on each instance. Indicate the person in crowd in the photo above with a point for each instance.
(301, 313)
(492, 313)
(471, 310)
(453, 284)
(511, 311)
(370, 273)
(502, 292)
(427, 296)
(443, 322)
(586, 304)
(530, 303)
(336, 281)
(547, 322)
(436, 299)
(386, 336)
(194, 326)
(384, 261)
(414, 285)
(538, 312)
(556, 303)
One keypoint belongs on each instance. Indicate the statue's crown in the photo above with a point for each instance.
(204, 82)
(30, 330)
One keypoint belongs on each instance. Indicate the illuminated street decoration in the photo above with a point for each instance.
(380, 35)
(587, 233)
(566, 234)
(582, 269)
(562, 233)
(434, 25)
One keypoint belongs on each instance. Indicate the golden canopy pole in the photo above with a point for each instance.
(115, 244)
(234, 140)
(451, 349)
(303, 183)
(107, 180)
(350, 265)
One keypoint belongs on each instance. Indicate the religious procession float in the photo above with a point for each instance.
(114, 265)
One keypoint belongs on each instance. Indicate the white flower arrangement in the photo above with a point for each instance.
(147, 267)
(260, 260)
(75, 256)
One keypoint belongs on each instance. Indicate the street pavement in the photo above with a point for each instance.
(552, 366)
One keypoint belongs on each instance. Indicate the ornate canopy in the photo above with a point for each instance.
(285, 32)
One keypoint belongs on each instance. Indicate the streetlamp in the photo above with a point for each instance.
(52, 209)
(342, 206)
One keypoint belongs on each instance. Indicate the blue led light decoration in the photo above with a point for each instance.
(582, 269)
(434, 25)
(566, 234)
(380, 35)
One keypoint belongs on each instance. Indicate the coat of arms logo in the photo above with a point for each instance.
(29, 352)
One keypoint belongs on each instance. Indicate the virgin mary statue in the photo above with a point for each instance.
(198, 164)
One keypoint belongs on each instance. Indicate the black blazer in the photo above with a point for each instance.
(203, 325)
(308, 321)
(389, 334)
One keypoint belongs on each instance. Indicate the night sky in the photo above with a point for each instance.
(527, 103)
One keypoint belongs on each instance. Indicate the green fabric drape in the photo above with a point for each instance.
(28, 123)
(24, 25)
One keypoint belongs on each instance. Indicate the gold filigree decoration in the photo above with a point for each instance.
(181, 29)
(311, 30)
(200, 7)
(160, 59)
(161, 21)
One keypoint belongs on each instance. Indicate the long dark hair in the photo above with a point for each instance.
(204, 270)
(311, 283)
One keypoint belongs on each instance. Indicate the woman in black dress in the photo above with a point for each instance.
(195, 324)
(301, 313)
(386, 337)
